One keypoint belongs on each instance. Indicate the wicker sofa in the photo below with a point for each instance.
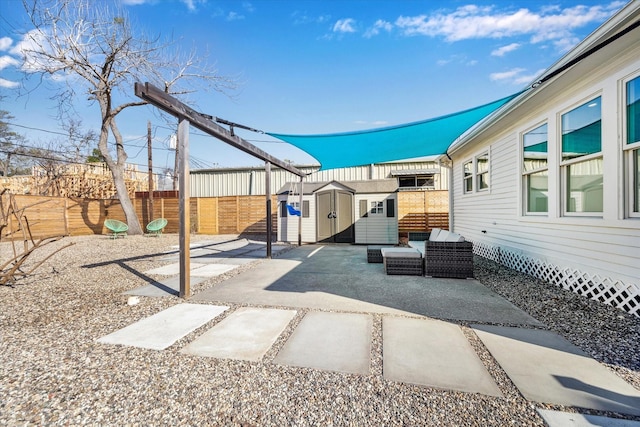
(447, 254)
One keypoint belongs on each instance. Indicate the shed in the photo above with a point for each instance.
(361, 212)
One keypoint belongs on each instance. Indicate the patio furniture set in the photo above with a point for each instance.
(440, 253)
(119, 228)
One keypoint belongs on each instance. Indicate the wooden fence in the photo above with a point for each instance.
(52, 216)
(423, 210)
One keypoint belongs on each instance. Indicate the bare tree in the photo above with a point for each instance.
(93, 48)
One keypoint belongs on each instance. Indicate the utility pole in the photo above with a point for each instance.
(150, 152)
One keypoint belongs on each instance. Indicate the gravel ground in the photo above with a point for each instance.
(52, 372)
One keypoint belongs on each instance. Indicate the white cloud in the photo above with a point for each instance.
(506, 75)
(234, 16)
(516, 76)
(344, 26)
(8, 84)
(379, 25)
(5, 43)
(248, 6)
(8, 61)
(502, 51)
(474, 22)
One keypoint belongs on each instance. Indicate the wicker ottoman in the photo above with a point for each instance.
(374, 254)
(405, 261)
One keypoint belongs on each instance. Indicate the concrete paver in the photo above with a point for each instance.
(212, 270)
(163, 288)
(330, 341)
(571, 419)
(547, 368)
(161, 330)
(246, 334)
(433, 353)
(170, 269)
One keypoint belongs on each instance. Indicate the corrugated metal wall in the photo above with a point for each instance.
(251, 181)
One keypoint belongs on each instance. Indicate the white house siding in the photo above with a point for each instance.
(376, 228)
(587, 254)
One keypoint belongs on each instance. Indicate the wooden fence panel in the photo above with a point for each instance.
(417, 211)
(208, 215)
(422, 210)
(45, 215)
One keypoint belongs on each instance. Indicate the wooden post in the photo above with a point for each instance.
(184, 209)
(267, 179)
(150, 152)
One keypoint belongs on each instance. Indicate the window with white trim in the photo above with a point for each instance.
(482, 172)
(581, 163)
(535, 170)
(631, 145)
(467, 177)
(377, 208)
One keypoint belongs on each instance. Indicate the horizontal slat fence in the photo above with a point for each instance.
(423, 210)
(53, 216)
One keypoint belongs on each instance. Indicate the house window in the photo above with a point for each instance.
(416, 181)
(377, 208)
(582, 158)
(482, 172)
(535, 171)
(468, 177)
(632, 144)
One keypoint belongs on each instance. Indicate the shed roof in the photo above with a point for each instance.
(358, 187)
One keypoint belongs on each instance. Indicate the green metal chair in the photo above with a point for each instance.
(154, 228)
(117, 228)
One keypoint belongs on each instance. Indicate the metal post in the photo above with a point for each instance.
(267, 168)
(184, 209)
(300, 217)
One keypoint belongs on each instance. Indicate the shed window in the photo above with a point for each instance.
(377, 208)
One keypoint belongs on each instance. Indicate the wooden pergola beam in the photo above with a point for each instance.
(171, 105)
(186, 117)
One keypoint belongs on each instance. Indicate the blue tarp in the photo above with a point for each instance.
(424, 138)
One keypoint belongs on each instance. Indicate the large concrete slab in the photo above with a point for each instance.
(161, 330)
(547, 368)
(434, 354)
(570, 419)
(338, 277)
(330, 341)
(246, 334)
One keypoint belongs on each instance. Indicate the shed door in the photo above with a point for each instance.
(335, 216)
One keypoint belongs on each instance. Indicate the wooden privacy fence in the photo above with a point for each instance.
(423, 210)
(48, 216)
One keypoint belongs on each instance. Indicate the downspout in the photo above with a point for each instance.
(451, 216)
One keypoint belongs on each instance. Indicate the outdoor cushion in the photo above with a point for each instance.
(442, 236)
(454, 237)
(401, 253)
(434, 234)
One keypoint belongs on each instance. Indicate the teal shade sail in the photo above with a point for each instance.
(424, 138)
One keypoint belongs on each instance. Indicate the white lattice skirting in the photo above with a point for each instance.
(625, 296)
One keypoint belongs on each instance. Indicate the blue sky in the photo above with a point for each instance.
(328, 66)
